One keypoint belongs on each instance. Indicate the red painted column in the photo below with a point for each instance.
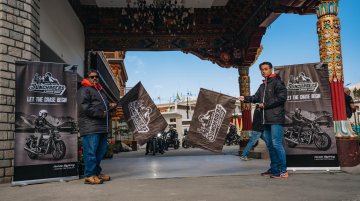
(328, 29)
(244, 82)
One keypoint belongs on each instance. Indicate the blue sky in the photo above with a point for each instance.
(291, 39)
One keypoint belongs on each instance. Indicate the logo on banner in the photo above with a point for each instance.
(211, 122)
(301, 83)
(46, 84)
(140, 115)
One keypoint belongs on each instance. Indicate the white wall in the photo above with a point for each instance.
(62, 31)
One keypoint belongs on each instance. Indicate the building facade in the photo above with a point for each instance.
(179, 113)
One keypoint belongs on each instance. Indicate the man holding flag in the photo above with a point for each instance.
(93, 109)
(271, 96)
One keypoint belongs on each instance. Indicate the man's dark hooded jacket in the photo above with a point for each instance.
(273, 94)
(92, 103)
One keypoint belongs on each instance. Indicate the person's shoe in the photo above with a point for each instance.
(104, 177)
(146, 153)
(244, 158)
(93, 180)
(268, 173)
(282, 175)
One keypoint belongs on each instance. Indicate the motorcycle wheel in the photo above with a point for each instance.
(32, 155)
(185, 145)
(237, 140)
(176, 145)
(59, 150)
(322, 141)
(154, 144)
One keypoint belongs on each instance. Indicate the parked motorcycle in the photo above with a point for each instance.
(50, 143)
(155, 145)
(311, 134)
(185, 142)
(232, 139)
(171, 142)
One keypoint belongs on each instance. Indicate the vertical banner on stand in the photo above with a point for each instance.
(309, 138)
(210, 121)
(45, 123)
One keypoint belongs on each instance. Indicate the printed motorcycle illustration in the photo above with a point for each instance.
(305, 131)
(311, 134)
(49, 143)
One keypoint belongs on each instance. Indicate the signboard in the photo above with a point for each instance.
(45, 123)
(309, 138)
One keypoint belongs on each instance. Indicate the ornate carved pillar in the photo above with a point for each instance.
(244, 82)
(328, 28)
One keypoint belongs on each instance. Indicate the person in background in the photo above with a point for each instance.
(271, 96)
(349, 103)
(256, 133)
(93, 109)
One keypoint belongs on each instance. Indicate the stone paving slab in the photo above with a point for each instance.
(192, 176)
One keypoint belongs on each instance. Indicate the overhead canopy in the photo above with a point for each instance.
(226, 32)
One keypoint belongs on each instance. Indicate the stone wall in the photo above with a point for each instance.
(19, 40)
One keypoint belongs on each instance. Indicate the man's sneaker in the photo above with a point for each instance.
(244, 158)
(93, 180)
(282, 175)
(268, 173)
(104, 177)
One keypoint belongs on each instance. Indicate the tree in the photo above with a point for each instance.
(356, 93)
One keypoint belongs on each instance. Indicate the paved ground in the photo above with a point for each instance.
(197, 176)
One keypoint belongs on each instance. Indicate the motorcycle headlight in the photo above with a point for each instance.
(159, 135)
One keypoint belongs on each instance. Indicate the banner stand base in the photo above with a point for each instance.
(326, 169)
(39, 181)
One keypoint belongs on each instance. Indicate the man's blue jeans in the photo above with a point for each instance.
(255, 135)
(94, 146)
(273, 139)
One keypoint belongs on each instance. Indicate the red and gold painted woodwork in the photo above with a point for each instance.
(238, 122)
(328, 29)
(227, 35)
(244, 81)
(118, 70)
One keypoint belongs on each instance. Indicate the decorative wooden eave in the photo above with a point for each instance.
(229, 36)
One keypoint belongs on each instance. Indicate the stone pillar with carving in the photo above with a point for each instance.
(244, 82)
(328, 29)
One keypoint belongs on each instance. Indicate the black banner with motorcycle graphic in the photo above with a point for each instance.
(309, 138)
(45, 122)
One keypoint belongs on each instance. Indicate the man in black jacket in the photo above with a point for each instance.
(271, 97)
(93, 109)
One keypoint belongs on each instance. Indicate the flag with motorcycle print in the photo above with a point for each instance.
(309, 138)
(210, 121)
(45, 122)
(142, 115)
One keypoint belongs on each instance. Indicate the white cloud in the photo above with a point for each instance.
(158, 86)
(137, 64)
